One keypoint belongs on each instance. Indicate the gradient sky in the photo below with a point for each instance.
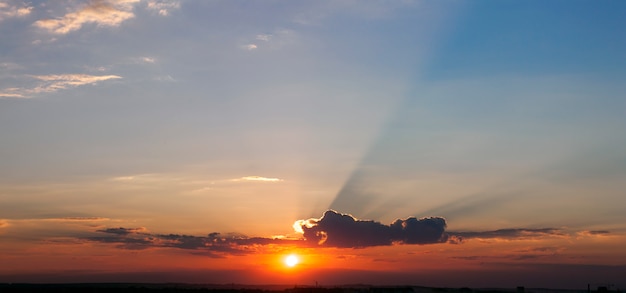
(132, 129)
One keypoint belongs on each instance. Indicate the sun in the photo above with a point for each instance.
(291, 260)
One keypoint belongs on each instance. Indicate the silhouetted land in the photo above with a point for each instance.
(134, 287)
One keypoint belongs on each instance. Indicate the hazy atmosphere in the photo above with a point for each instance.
(435, 143)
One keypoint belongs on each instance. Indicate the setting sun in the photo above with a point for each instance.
(291, 260)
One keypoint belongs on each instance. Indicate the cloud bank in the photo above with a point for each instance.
(342, 230)
(214, 244)
(333, 229)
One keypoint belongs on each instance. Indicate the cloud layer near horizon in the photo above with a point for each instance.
(333, 229)
(214, 244)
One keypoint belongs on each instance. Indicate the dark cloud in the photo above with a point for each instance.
(546, 249)
(214, 244)
(502, 258)
(342, 230)
(599, 232)
(515, 233)
(123, 231)
(333, 229)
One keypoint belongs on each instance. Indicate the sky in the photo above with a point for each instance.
(435, 143)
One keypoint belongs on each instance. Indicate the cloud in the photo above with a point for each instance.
(264, 37)
(511, 233)
(142, 60)
(77, 219)
(257, 178)
(9, 94)
(278, 39)
(102, 13)
(3, 224)
(62, 81)
(58, 220)
(249, 47)
(14, 10)
(594, 234)
(53, 83)
(332, 230)
(124, 231)
(162, 7)
(597, 232)
(148, 59)
(10, 66)
(214, 244)
(342, 230)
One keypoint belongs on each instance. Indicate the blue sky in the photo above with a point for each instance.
(200, 116)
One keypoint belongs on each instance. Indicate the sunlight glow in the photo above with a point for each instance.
(291, 260)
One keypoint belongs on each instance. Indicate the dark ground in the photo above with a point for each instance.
(232, 288)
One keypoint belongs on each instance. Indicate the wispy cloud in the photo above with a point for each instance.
(141, 60)
(163, 7)
(264, 37)
(7, 93)
(67, 220)
(124, 231)
(148, 59)
(80, 219)
(72, 227)
(257, 178)
(10, 66)
(594, 234)
(14, 9)
(249, 47)
(102, 13)
(56, 82)
(277, 39)
(124, 178)
(53, 83)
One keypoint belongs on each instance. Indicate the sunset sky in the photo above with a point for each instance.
(435, 143)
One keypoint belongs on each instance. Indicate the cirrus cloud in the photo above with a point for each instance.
(257, 178)
(62, 81)
(54, 82)
(102, 13)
